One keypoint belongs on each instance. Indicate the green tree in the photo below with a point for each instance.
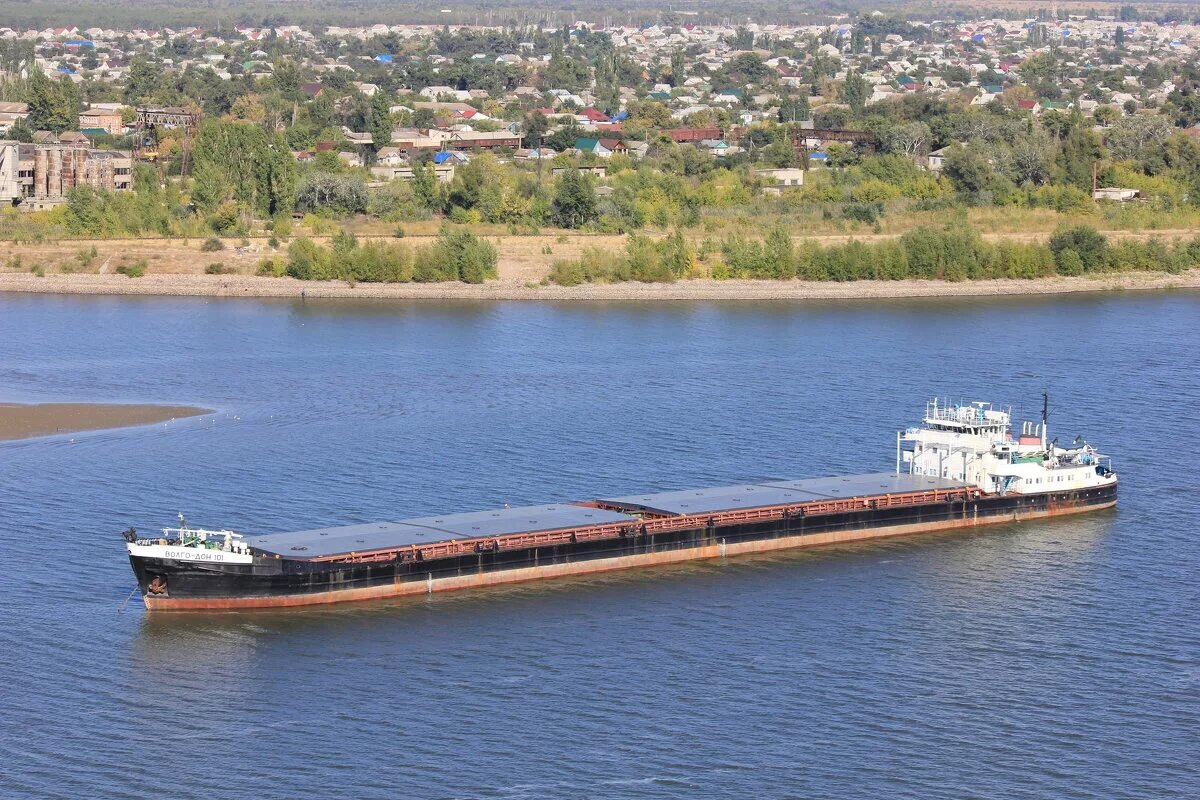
(794, 109)
(780, 154)
(1105, 116)
(677, 72)
(380, 121)
(21, 131)
(286, 77)
(1058, 124)
(209, 186)
(425, 185)
(533, 128)
(424, 118)
(142, 81)
(238, 161)
(574, 203)
(53, 104)
(1080, 150)
(855, 91)
(967, 169)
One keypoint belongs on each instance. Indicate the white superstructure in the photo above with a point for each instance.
(191, 544)
(974, 443)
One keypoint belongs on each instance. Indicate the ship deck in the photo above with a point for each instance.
(323, 543)
(418, 531)
(776, 493)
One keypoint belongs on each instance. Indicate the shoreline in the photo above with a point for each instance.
(32, 420)
(193, 285)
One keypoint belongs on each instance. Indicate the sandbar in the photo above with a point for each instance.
(26, 420)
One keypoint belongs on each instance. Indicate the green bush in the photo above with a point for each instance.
(456, 255)
(645, 259)
(952, 254)
(863, 212)
(1088, 244)
(217, 268)
(225, 218)
(270, 268)
(211, 245)
(135, 270)
(1069, 262)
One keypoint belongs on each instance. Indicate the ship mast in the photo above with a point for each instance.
(1045, 414)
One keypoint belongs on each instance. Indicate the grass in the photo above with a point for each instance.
(135, 270)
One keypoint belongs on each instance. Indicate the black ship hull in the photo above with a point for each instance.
(279, 582)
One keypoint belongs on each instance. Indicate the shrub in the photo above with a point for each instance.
(1063, 199)
(456, 255)
(863, 212)
(217, 268)
(1088, 244)
(567, 273)
(225, 218)
(346, 259)
(211, 245)
(135, 270)
(395, 201)
(645, 259)
(270, 268)
(308, 261)
(873, 190)
(86, 256)
(1069, 262)
(319, 226)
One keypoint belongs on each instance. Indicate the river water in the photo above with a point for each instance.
(1056, 659)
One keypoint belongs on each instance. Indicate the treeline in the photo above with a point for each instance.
(923, 253)
(456, 255)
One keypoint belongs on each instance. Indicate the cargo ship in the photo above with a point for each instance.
(962, 467)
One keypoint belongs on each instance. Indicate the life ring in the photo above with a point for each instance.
(158, 585)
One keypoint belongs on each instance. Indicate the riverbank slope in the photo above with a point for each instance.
(510, 289)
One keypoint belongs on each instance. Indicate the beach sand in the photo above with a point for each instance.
(22, 421)
(510, 289)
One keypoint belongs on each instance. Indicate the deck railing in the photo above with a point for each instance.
(524, 541)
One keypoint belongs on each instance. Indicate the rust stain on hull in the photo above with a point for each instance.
(524, 574)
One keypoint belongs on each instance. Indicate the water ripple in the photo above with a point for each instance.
(1056, 659)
